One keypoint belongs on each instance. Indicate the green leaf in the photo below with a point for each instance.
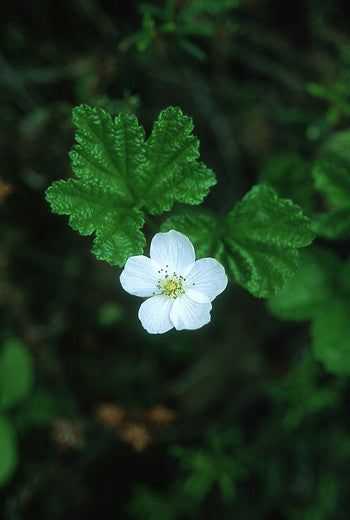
(172, 171)
(109, 154)
(262, 236)
(118, 174)
(331, 339)
(91, 208)
(8, 450)
(16, 373)
(310, 289)
(201, 227)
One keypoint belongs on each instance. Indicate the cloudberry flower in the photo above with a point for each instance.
(179, 289)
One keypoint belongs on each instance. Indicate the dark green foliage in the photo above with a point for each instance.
(330, 336)
(320, 292)
(220, 463)
(16, 374)
(310, 289)
(302, 394)
(16, 379)
(290, 176)
(336, 94)
(8, 450)
(332, 178)
(181, 24)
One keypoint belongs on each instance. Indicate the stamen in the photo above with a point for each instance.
(171, 287)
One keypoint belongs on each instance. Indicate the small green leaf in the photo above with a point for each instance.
(172, 172)
(8, 450)
(201, 227)
(262, 236)
(330, 334)
(16, 373)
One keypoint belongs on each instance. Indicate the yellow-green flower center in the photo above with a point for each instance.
(170, 285)
(172, 288)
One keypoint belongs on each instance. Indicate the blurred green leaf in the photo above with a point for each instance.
(215, 464)
(336, 149)
(8, 450)
(16, 373)
(334, 182)
(331, 175)
(300, 394)
(334, 224)
(310, 289)
(110, 314)
(39, 410)
(330, 335)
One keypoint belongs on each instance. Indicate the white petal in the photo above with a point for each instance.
(154, 314)
(173, 249)
(140, 276)
(187, 314)
(206, 280)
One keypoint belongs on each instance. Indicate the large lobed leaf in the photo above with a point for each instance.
(258, 241)
(119, 174)
(262, 236)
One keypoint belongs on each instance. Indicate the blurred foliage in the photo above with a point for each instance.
(178, 23)
(16, 379)
(248, 417)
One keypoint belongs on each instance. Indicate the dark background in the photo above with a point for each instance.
(132, 425)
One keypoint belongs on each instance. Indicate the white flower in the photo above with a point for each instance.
(179, 288)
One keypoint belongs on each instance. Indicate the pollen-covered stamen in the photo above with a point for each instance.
(171, 285)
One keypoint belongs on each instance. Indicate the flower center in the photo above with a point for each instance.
(170, 285)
